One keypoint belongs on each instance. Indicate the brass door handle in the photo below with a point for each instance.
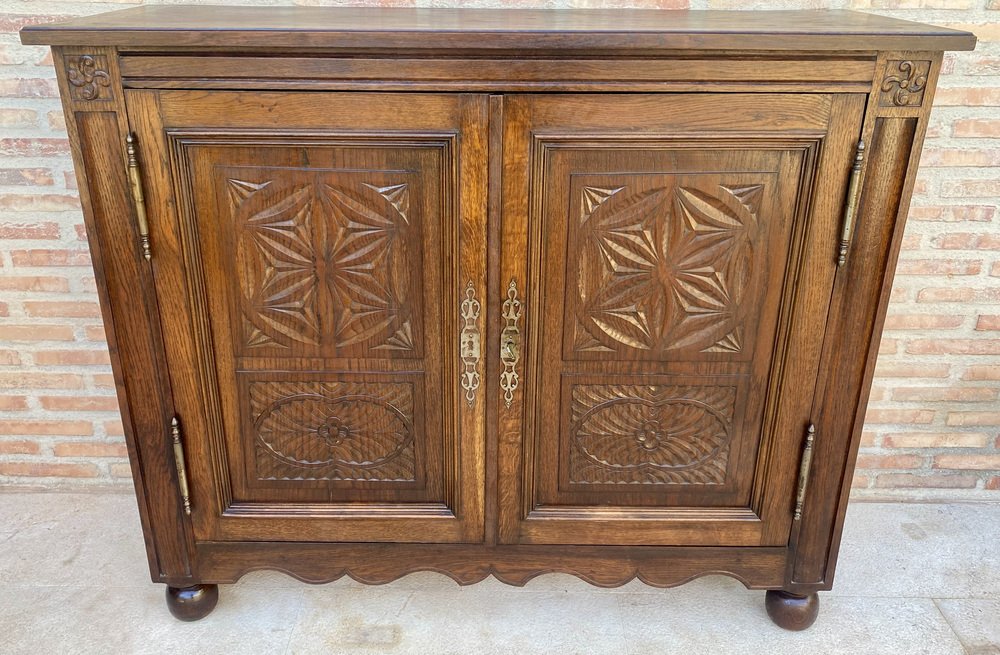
(853, 191)
(510, 343)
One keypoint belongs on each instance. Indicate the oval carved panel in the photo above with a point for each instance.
(331, 431)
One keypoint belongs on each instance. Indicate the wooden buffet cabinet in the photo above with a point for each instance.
(494, 292)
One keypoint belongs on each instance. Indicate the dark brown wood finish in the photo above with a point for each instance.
(431, 315)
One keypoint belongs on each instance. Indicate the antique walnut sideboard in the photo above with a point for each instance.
(494, 292)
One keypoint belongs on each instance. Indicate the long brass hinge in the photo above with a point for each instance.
(807, 454)
(135, 184)
(853, 191)
(182, 481)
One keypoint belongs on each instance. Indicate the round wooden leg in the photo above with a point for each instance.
(192, 603)
(790, 611)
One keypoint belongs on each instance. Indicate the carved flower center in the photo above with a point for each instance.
(650, 435)
(333, 431)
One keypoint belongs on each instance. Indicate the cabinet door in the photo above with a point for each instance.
(672, 258)
(317, 257)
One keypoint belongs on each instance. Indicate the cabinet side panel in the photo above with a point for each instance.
(894, 133)
(97, 125)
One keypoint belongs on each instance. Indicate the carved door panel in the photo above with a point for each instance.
(672, 257)
(317, 257)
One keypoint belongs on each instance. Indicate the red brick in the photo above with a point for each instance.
(46, 470)
(103, 381)
(954, 347)
(57, 121)
(889, 461)
(79, 403)
(993, 483)
(944, 394)
(973, 418)
(887, 346)
(967, 241)
(20, 447)
(89, 449)
(40, 147)
(967, 462)
(14, 22)
(982, 372)
(939, 267)
(35, 283)
(77, 428)
(26, 177)
(114, 428)
(868, 439)
(967, 97)
(35, 380)
(935, 440)
(70, 179)
(29, 230)
(72, 358)
(970, 188)
(976, 128)
(15, 117)
(120, 471)
(949, 157)
(10, 358)
(36, 333)
(898, 370)
(995, 269)
(50, 202)
(922, 321)
(959, 294)
(953, 213)
(50, 257)
(62, 309)
(95, 333)
(988, 322)
(860, 481)
(13, 403)
(932, 481)
(81, 231)
(28, 87)
(899, 416)
(982, 66)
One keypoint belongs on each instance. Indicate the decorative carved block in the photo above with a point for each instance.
(333, 430)
(325, 257)
(664, 268)
(904, 83)
(88, 77)
(652, 434)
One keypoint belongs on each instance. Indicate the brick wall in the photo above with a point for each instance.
(932, 426)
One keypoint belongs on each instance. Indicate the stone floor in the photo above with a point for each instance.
(913, 578)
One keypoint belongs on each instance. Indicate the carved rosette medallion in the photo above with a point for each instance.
(333, 431)
(325, 261)
(904, 83)
(626, 434)
(87, 76)
(664, 268)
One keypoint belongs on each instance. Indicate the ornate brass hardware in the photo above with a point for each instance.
(469, 343)
(510, 344)
(804, 467)
(175, 431)
(853, 191)
(135, 183)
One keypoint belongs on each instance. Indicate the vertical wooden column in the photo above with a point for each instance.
(93, 102)
(895, 123)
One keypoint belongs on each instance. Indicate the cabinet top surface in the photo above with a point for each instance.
(373, 28)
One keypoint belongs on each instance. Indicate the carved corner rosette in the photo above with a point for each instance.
(904, 83)
(88, 77)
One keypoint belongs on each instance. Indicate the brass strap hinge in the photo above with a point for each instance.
(135, 183)
(175, 432)
(853, 191)
(804, 467)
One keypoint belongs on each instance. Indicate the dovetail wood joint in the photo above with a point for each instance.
(510, 344)
(175, 433)
(853, 191)
(469, 343)
(135, 184)
(905, 87)
(804, 467)
(87, 76)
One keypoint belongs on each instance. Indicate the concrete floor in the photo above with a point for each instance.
(912, 579)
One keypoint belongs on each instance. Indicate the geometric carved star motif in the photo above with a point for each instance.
(665, 268)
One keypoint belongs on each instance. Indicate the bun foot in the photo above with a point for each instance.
(790, 611)
(192, 603)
